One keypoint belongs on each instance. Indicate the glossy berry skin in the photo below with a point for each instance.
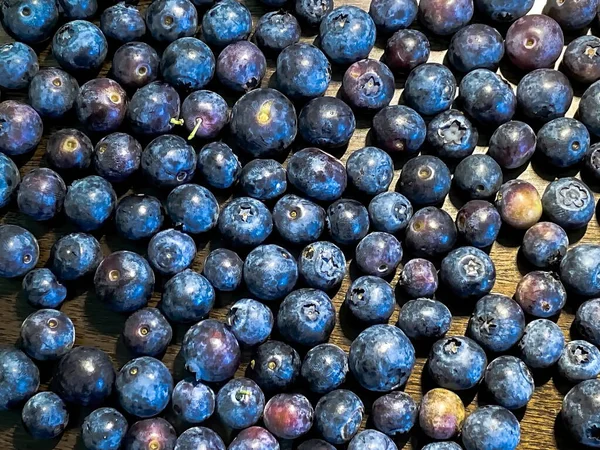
(45, 416)
(135, 65)
(585, 321)
(370, 300)
(156, 431)
(254, 438)
(487, 97)
(476, 46)
(199, 438)
(251, 322)
(324, 368)
(306, 317)
(29, 21)
(245, 221)
(430, 233)
(168, 161)
(588, 107)
(512, 144)
(263, 179)
(509, 381)
(43, 290)
(544, 94)
(418, 278)
(580, 59)
(424, 319)
(240, 403)
(18, 65)
(390, 212)
(430, 89)
(378, 254)
(75, 255)
(348, 221)
(580, 414)
(226, 22)
(370, 170)
(79, 46)
(152, 107)
(569, 203)
(326, 122)
(394, 413)
(263, 122)
(371, 440)
(542, 344)
(68, 150)
(399, 129)
(533, 42)
(288, 416)
(169, 20)
(478, 223)
(275, 31)
(592, 161)
(545, 244)
(541, 294)
(218, 165)
(497, 323)
(22, 129)
(386, 348)
(579, 361)
(76, 9)
(270, 272)
(303, 71)
(338, 415)
(187, 64)
(52, 92)
(519, 204)
(20, 378)
(123, 23)
(193, 208)
(563, 141)
(146, 332)
(443, 18)
(41, 194)
(223, 269)
(275, 366)
(85, 376)
(572, 15)
(192, 401)
(317, 174)
(322, 265)
(368, 84)
(187, 297)
(504, 11)
(138, 216)
(405, 50)
(19, 251)
(451, 135)
(347, 34)
(441, 414)
(241, 66)
(491, 427)
(104, 429)
(311, 13)
(90, 202)
(457, 363)
(101, 105)
(124, 281)
(298, 220)
(579, 270)
(468, 272)
(390, 16)
(425, 180)
(171, 251)
(117, 156)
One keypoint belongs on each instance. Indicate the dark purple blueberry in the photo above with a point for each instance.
(18, 65)
(324, 368)
(169, 161)
(338, 415)
(580, 412)
(587, 321)
(250, 321)
(19, 251)
(187, 297)
(491, 427)
(193, 208)
(542, 344)
(155, 432)
(78, 9)
(430, 88)
(487, 97)
(371, 440)
(588, 109)
(430, 233)
(303, 71)
(424, 319)
(138, 216)
(204, 114)
(326, 122)
(276, 30)
(169, 20)
(298, 220)
(317, 174)
(199, 438)
(425, 180)
(254, 438)
(468, 273)
(20, 378)
(263, 122)
(370, 300)
(90, 202)
(368, 84)
(512, 144)
(47, 335)
(478, 176)
(322, 265)
(392, 15)
(580, 270)
(69, 149)
(240, 403)
(456, 363)
(348, 221)
(20, 128)
(288, 416)
(104, 429)
(452, 135)
(218, 165)
(79, 46)
(123, 23)
(101, 105)
(117, 156)
(187, 64)
(84, 376)
(572, 15)
(381, 358)
(563, 141)
(211, 351)
(418, 278)
(519, 204)
(153, 108)
(245, 221)
(75, 255)
(52, 92)
(311, 12)
(171, 251)
(399, 129)
(445, 18)
(43, 290)
(476, 46)
(223, 268)
(390, 212)
(147, 332)
(226, 22)
(545, 244)
(241, 66)
(135, 64)
(568, 202)
(533, 42)
(45, 416)
(394, 413)
(579, 361)
(503, 11)
(509, 381)
(30, 21)
(544, 94)
(378, 254)
(270, 272)
(263, 179)
(405, 50)
(192, 401)
(497, 323)
(274, 366)
(582, 59)
(124, 281)
(541, 294)
(478, 223)
(41, 194)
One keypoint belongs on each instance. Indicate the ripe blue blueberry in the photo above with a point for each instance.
(156, 431)
(425, 180)
(348, 221)
(324, 368)
(270, 272)
(468, 272)
(478, 176)
(117, 156)
(152, 108)
(303, 71)
(326, 122)
(168, 161)
(563, 141)
(250, 321)
(424, 319)
(390, 16)
(41, 194)
(226, 22)
(135, 65)
(544, 95)
(75, 255)
(18, 65)
(430, 233)
(79, 46)
(19, 251)
(274, 366)
(104, 429)
(52, 92)
(90, 202)
(138, 216)
(476, 46)
(199, 437)
(569, 203)
(487, 98)
(580, 412)
(223, 268)
(509, 382)
(311, 12)
(45, 416)
(580, 270)
(169, 20)
(20, 378)
(240, 403)
(187, 297)
(276, 30)
(588, 108)
(338, 415)
(394, 413)
(263, 179)
(491, 427)
(370, 170)
(47, 335)
(187, 64)
(579, 361)
(581, 64)
(443, 18)
(245, 221)
(542, 344)
(21, 130)
(418, 278)
(390, 212)
(30, 21)
(43, 290)
(192, 401)
(586, 320)
(317, 174)
(9, 179)
(592, 161)
(322, 265)
(368, 84)
(69, 149)
(241, 66)
(541, 294)
(378, 254)
(430, 89)
(371, 440)
(123, 23)
(478, 223)
(298, 220)
(171, 251)
(204, 114)
(146, 332)
(456, 363)
(451, 135)
(371, 300)
(193, 208)
(218, 165)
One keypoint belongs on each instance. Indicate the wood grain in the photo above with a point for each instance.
(98, 327)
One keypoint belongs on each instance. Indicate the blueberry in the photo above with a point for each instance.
(378, 254)
(78, 9)
(424, 319)
(443, 18)
(250, 321)
(430, 233)
(204, 114)
(326, 122)
(298, 220)
(586, 322)
(30, 21)
(192, 401)
(21, 130)
(75, 255)
(580, 270)
(368, 84)
(371, 440)
(545, 244)
(147, 332)
(468, 272)
(504, 11)
(90, 202)
(187, 64)
(568, 202)
(487, 98)
(312, 12)
(592, 161)
(580, 412)
(542, 344)
(153, 107)
(541, 294)
(441, 414)
(69, 149)
(392, 15)
(418, 278)
(425, 180)
(241, 66)
(390, 212)
(497, 322)
(288, 416)
(124, 281)
(79, 46)
(544, 95)
(322, 265)
(41, 194)
(226, 22)
(45, 416)
(85, 376)
(381, 358)
(20, 378)
(457, 363)
(117, 156)
(52, 93)
(101, 105)
(47, 335)
(138, 216)
(588, 107)
(324, 368)
(193, 207)
(399, 129)
(223, 268)
(478, 223)
(394, 413)
(171, 251)
(563, 141)
(274, 366)
(135, 65)
(519, 204)
(263, 122)
(168, 161)
(43, 290)
(405, 50)
(370, 170)
(348, 221)
(20, 251)
(303, 71)
(338, 415)
(18, 65)
(509, 382)
(123, 23)
(430, 88)
(157, 432)
(240, 403)
(104, 429)
(579, 361)
(476, 46)
(169, 20)
(218, 165)
(263, 179)
(347, 34)
(580, 59)
(276, 30)
(199, 437)
(490, 427)
(371, 300)
(187, 297)
(317, 174)
(451, 135)
(306, 317)
(245, 221)
(270, 272)
(254, 437)
(572, 16)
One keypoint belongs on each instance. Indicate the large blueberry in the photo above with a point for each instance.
(20, 378)
(303, 71)
(168, 20)
(487, 98)
(223, 268)
(245, 221)
(79, 46)
(187, 297)
(569, 203)
(30, 21)
(491, 427)
(21, 129)
(392, 15)
(326, 122)
(544, 94)
(90, 202)
(193, 207)
(188, 64)
(19, 251)
(75, 255)
(41, 194)
(52, 92)
(542, 344)
(270, 272)
(317, 174)
(468, 272)
(47, 335)
(445, 18)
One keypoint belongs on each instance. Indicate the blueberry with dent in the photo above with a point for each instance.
(390, 212)
(250, 321)
(322, 265)
(43, 290)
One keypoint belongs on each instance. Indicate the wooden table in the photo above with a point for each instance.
(96, 326)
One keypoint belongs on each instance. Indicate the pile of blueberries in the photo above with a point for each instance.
(296, 223)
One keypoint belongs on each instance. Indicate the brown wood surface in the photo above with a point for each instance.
(98, 327)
